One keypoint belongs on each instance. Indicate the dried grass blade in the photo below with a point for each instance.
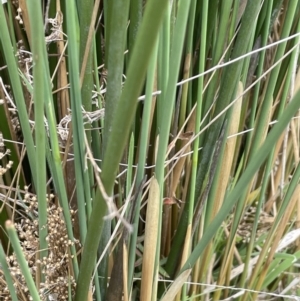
(150, 243)
(176, 285)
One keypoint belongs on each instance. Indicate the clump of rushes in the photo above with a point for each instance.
(56, 269)
(96, 99)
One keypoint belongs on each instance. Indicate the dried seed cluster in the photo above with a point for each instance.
(8, 165)
(4, 153)
(56, 269)
(19, 16)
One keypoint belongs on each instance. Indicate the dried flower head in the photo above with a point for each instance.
(56, 269)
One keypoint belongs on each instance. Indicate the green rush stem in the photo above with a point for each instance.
(22, 261)
(199, 109)
(6, 272)
(81, 173)
(144, 138)
(121, 126)
(39, 95)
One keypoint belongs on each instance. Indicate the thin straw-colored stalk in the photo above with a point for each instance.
(22, 261)
(150, 243)
(223, 173)
(125, 273)
(124, 115)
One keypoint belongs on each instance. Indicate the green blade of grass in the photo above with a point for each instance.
(283, 265)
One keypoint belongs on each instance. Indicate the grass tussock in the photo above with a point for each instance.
(145, 160)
